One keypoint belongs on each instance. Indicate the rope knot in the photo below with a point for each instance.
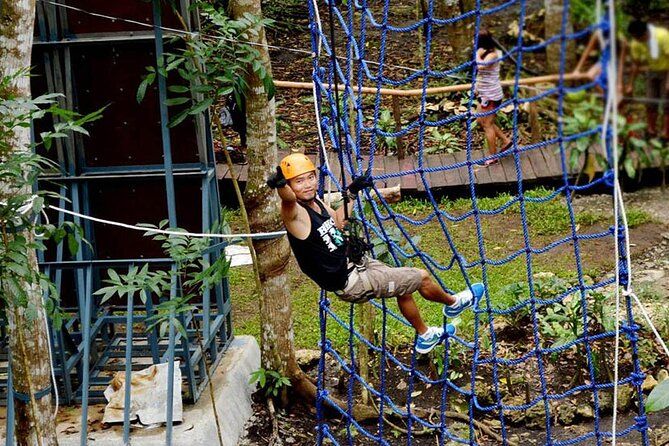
(623, 277)
(605, 26)
(609, 175)
(641, 422)
(322, 394)
(637, 378)
(630, 331)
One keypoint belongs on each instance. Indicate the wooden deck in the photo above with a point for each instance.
(536, 166)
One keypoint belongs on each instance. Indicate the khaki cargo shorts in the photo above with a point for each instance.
(378, 280)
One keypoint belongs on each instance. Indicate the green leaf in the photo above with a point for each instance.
(202, 106)
(18, 269)
(72, 244)
(178, 119)
(659, 397)
(629, 167)
(113, 275)
(176, 101)
(141, 90)
(178, 89)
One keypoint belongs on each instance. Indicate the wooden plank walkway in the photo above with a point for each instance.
(535, 166)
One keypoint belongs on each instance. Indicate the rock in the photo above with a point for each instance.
(665, 235)
(565, 412)
(307, 357)
(534, 417)
(649, 275)
(605, 401)
(585, 411)
(662, 375)
(625, 394)
(649, 383)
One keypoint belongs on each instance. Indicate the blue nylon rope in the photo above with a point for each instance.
(357, 150)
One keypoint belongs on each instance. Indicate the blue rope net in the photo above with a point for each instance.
(364, 33)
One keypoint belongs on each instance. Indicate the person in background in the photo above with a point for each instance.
(650, 48)
(489, 92)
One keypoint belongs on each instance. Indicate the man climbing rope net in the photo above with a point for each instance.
(323, 253)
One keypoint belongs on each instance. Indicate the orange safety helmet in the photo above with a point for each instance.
(295, 165)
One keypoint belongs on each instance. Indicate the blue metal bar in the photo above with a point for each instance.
(171, 207)
(104, 263)
(151, 168)
(86, 322)
(128, 370)
(152, 334)
(206, 295)
(9, 429)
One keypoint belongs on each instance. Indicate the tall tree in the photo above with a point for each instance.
(262, 204)
(35, 424)
(553, 27)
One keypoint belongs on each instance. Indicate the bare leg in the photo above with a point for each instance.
(500, 134)
(487, 123)
(490, 135)
(433, 292)
(410, 312)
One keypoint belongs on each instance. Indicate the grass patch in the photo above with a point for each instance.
(547, 220)
(637, 217)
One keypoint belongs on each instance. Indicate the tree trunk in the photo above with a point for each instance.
(35, 424)
(262, 204)
(553, 27)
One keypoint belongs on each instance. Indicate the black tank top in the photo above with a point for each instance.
(322, 255)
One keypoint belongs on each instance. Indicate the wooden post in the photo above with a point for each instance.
(535, 123)
(397, 115)
(366, 328)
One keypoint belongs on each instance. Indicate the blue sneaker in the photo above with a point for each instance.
(433, 336)
(464, 299)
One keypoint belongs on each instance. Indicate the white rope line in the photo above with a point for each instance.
(211, 37)
(53, 372)
(611, 119)
(317, 111)
(646, 316)
(167, 231)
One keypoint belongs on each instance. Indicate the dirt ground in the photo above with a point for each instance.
(650, 253)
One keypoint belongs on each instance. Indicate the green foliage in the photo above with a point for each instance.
(412, 207)
(270, 381)
(544, 218)
(632, 153)
(581, 117)
(659, 397)
(21, 206)
(637, 217)
(445, 141)
(510, 296)
(386, 123)
(437, 357)
(193, 274)
(207, 69)
(395, 235)
(381, 246)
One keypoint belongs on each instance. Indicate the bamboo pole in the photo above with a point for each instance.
(445, 89)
